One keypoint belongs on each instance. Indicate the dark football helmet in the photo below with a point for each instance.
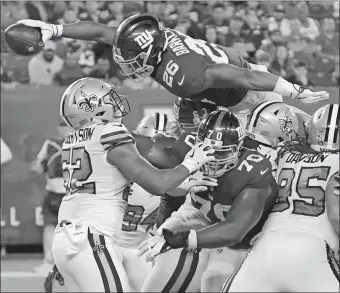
(222, 130)
(189, 114)
(139, 43)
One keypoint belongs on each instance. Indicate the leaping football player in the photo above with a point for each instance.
(186, 67)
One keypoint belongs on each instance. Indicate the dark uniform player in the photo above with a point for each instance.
(186, 67)
(165, 151)
(225, 216)
(49, 162)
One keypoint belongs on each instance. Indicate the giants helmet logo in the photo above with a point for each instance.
(88, 103)
(145, 39)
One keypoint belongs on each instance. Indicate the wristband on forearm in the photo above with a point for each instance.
(284, 88)
(57, 30)
(192, 240)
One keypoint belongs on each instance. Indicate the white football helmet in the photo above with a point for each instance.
(153, 124)
(91, 100)
(323, 128)
(271, 123)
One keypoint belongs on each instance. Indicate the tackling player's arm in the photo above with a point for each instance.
(243, 215)
(228, 76)
(137, 169)
(332, 201)
(158, 182)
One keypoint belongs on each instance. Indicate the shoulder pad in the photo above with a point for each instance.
(115, 134)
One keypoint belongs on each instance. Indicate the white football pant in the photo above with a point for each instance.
(180, 271)
(88, 261)
(287, 261)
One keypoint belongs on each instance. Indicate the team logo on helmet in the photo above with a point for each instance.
(286, 123)
(145, 39)
(88, 102)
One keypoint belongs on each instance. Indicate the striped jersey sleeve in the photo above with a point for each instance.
(114, 135)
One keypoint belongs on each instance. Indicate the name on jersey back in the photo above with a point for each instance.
(79, 136)
(176, 44)
(306, 158)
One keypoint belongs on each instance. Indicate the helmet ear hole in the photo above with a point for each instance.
(100, 113)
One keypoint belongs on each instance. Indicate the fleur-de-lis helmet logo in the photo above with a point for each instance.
(286, 123)
(88, 102)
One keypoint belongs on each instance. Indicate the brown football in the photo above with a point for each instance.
(24, 40)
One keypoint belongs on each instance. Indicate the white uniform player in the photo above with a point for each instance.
(139, 218)
(269, 124)
(94, 205)
(141, 212)
(100, 160)
(295, 250)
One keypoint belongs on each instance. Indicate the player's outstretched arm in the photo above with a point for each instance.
(84, 30)
(332, 201)
(229, 76)
(243, 215)
(158, 182)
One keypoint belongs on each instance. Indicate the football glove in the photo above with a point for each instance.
(308, 96)
(176, 239)
(48, 30)
(52, 276)
(153, 247)
(198, 156)
(198, 182)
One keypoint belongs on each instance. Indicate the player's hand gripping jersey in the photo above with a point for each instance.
(91, 192)
(302, 179)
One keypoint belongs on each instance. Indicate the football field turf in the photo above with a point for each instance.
(17, 274)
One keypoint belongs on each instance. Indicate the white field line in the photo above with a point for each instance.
(20, 274)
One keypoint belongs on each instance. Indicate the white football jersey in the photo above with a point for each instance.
(139, 217)
(97, 191)
(302, 180)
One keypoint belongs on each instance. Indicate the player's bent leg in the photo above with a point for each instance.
(136, 268)
(177, 270)
(222, 263)
(59, 251)
(251, 275)
(93, 262)
(314, 267)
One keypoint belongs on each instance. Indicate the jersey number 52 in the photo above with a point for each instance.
(77, 169)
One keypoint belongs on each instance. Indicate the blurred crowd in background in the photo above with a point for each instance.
(296, 40)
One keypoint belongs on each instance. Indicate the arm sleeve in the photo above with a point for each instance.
(114, 135)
